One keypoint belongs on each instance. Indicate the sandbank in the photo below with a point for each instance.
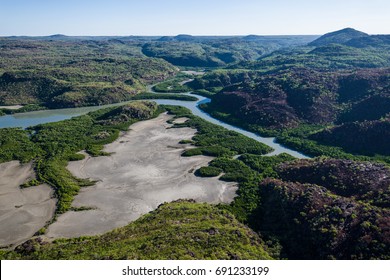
(22, 211)
(144, 170)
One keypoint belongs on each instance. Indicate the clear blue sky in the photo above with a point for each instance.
(196, 17)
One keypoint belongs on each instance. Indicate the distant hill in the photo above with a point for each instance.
(338, 37)
(252, 37)
(180, 38)
(58, 36)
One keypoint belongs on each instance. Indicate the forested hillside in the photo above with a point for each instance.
(59, 74)
(343, 108)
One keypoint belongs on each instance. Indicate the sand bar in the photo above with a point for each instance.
(145, 170)
(22, 211)
(12, 107)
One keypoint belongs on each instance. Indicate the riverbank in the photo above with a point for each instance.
(144, 170)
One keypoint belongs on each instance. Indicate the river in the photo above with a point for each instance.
(25, 120)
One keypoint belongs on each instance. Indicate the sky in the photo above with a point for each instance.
(195, 17)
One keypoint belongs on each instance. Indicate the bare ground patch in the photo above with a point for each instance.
(145, 170)
(22, 211)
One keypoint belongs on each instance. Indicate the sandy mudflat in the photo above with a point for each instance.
(180, 120)
(145, 170)
(193, 72)
(11, 107)
(22, 211)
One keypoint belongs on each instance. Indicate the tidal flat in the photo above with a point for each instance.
(22, 211)
(144, 169)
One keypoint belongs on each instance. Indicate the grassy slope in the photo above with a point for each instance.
(176, 230)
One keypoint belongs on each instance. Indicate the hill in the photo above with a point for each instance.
(217, 51)
(74, 73)
(326, 209)
(371, 41)
(367, 137)
(338, 37)
(299, 95)
(297, 104)
(176, 230)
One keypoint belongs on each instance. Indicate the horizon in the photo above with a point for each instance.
(183, 34)
(118, 18)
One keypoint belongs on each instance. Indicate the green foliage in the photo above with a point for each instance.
(31, 183)
(54, 172)
(208, 171)
(235, 170)
(301, 140)
(265, 165)
(16, 145)
(279, 94)
(203, 92)
(175, 85)
(180, 230)
(186, 142)
(75, 157)
(164, 96)
(213, 140)
(192, 152)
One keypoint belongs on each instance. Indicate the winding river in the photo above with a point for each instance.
(25, 120)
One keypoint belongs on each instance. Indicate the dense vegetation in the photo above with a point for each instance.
(176, 230)
(186, 50)
(175, 85)
(328, 209)
(214, 140)
(367, 137)
(71, 73)
(364, 181)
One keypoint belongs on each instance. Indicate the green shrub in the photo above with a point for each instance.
(208, 171)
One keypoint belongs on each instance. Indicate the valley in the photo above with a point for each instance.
(276, 145)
